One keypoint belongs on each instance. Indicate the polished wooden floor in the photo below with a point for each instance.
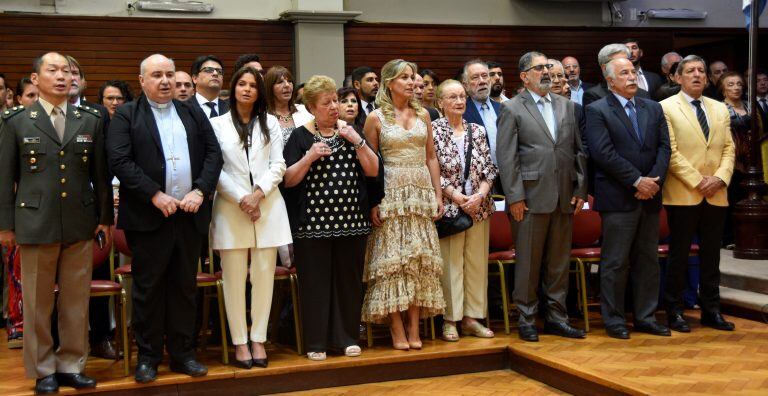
(497, 382)
(705, 361)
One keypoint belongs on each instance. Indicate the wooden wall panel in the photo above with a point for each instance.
(444, 49)
(112, 48)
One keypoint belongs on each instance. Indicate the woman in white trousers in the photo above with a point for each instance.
(249, 215)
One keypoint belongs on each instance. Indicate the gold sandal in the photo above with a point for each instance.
(477, 330)
(450, 333)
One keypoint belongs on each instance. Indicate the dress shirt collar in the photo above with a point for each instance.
(479, 104)
(624, 100)
(536, 96)
(48, 106)
(689, 98)
(158, 106)
(202, 100)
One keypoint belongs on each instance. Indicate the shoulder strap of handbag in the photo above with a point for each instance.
(467, 158)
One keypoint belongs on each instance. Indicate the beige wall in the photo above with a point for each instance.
(723, 13)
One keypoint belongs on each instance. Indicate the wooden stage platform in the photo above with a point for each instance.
(705, 361)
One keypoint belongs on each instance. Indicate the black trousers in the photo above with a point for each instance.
(685, 222)
(330, 272)
(164, 284)
(98, 309)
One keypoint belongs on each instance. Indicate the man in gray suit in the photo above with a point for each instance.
(543, 173)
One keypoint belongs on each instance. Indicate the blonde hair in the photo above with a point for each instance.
(390, 71)
(316, 86)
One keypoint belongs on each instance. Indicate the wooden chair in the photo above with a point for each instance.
(586, 249)
(502, 246)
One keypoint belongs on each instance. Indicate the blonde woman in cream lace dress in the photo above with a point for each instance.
(403, 263)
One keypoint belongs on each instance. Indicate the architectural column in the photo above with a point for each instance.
(318, 37)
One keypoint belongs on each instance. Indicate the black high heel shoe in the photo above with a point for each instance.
(260, 362)
(243, 364)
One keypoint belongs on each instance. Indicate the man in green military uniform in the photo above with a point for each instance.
(54, 199)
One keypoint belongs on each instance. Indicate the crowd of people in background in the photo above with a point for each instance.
(379, 192)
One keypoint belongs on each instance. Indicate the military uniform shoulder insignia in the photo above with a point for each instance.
(10, 112)
(91, 110)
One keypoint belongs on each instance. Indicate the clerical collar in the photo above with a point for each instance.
(159, 105)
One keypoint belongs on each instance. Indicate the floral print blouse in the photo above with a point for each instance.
(480, 169)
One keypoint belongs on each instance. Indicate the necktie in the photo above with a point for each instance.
(763, 105)
(633, 118)
(702, 118)
(549, 116)
(213, 109)
(369, 108)
(483, 112)
(641, 83)
(58, 123)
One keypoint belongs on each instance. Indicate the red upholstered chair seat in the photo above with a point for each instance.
(105, 286)
(123, 270)
(204, 277)
(502, 255)
(590, 252)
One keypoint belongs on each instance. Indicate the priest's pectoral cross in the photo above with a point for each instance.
(173, 160)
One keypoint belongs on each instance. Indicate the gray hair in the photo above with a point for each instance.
(527, 60)
(556, 62)
(689, 59)
(665, 59)
(477, 61)
(605, 54)
(143, 65)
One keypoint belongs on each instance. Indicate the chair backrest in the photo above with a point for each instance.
(501, 237)
(121, 244)
(101, 255)
(587, 227)
(663, 225)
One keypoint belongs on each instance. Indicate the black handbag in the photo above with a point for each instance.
(448, 226)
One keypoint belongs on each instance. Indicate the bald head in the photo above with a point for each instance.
(668, 60)
(158, 78)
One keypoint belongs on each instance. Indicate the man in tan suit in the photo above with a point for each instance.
(695, 192)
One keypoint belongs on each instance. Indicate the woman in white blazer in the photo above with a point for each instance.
(249, 214)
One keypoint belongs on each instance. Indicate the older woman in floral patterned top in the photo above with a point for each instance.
(465, 255)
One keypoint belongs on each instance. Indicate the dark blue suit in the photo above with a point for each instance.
(630, 226)
(618, 155)
(472, 115)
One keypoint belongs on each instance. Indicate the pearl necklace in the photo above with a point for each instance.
(333, 141)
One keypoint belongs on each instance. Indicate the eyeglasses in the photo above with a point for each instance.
(210, 70)
(456, 98)
(539, 68)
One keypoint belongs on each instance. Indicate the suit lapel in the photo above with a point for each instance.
(642, 120)
(43, 122)
(533, 109)
(622, 115)
(710, 115)
(150, 122)
(72, 125)
(687, 111)
(472, 114)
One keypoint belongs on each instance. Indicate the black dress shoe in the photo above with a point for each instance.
(653, 328)
(105, 349)
(528, 333)
(243, 364)
(261, 362)
(75, 380)
(716, 321)
(563, 330)
(677, 323)
(146, 372)
(192, 368)
(617, 331)
(47, 384)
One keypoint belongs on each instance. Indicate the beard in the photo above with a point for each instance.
(497, 89)
(545, 85)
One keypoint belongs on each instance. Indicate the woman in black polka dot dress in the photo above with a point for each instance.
(327, 199)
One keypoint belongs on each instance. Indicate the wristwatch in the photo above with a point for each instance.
(198, 192)
(361, 144)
